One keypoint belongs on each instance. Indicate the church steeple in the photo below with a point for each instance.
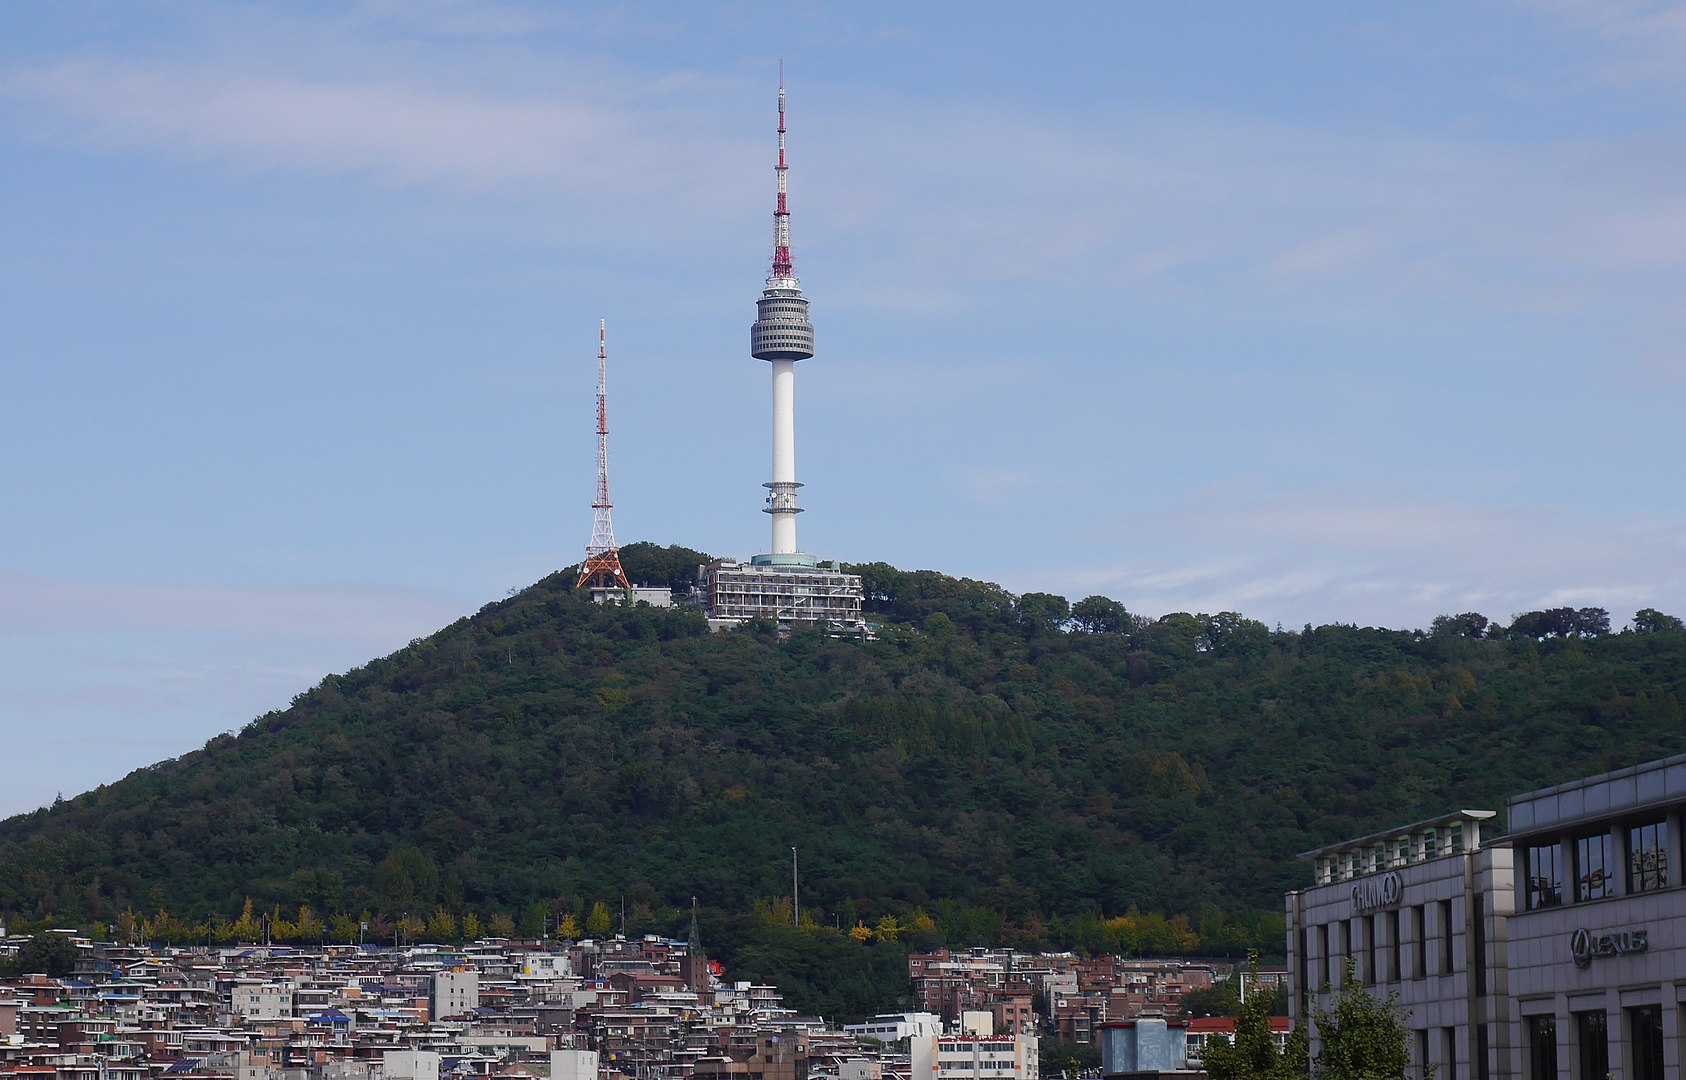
(696, 961)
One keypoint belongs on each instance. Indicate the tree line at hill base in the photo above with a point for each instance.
(1018, 770)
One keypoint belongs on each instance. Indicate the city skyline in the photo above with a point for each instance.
(1344, 317)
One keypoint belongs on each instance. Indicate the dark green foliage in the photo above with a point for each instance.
(1561, 622)
(1362, 1037)
(1219, 1000)
(673, 566)
(1067, 1059)
(43, 954)
(1139, 787)
(1652, 621)
(820, 971)
(1099, 615)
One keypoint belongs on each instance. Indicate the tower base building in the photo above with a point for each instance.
(795, 591)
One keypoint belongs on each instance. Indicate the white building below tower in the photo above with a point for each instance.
(796, 594)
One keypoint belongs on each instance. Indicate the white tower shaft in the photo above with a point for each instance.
(784, 483)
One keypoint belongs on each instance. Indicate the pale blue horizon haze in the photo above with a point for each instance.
(1319, 313)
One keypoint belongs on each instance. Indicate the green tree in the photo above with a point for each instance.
(1217, 1000)
(1100, 615)
(1067, 1059)
(1253, 1054)
(45, 954)
(1651, 621)
(1470, 624)
(597, 923)
(1042, 613)
(406, 876)
(1363, 1037)
(471, 927)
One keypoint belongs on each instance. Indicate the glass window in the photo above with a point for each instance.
(1445, 937)
(1419, 941)
(1402, 851)
(1594, 1033)
(1645, 1028)
(1647, 847)
(1594, 867)
(1542, 1048)
(1393, 972)
(1545, 877)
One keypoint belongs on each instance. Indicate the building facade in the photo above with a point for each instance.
(1598, 941)
(974, 1057)
(793, 592)
(1420, 911)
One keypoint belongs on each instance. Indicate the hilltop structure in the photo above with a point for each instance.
(786, 584)
(602, 569)
(602, 566)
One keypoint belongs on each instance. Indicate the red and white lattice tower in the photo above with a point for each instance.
(602, 566)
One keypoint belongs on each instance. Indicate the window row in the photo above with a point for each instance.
(1592, 1044)
(1389, 938)
(1430, 843)
(1595, 866)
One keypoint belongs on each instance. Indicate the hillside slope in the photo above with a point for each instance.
(973, 759)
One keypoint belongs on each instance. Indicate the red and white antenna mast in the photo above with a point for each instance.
(602, 566)
(782, 266)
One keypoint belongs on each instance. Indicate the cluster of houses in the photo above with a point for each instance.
(617, 1009)
(1066, 996)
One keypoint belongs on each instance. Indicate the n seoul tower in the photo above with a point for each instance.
(782, 335)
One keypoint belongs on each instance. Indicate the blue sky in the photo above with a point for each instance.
(1330, 313)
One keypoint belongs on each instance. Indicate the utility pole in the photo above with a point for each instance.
(795, 893)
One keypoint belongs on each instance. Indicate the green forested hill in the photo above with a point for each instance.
(980, 763)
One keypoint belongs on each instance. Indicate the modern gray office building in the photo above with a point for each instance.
(1556, 951)
(1598, 940)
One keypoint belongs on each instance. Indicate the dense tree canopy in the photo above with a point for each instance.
(1013, 770)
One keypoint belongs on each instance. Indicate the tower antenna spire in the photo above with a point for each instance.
(782, 265)
(602, 566)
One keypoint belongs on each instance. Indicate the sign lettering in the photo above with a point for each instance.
(1377, 892)
(1586, 946)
